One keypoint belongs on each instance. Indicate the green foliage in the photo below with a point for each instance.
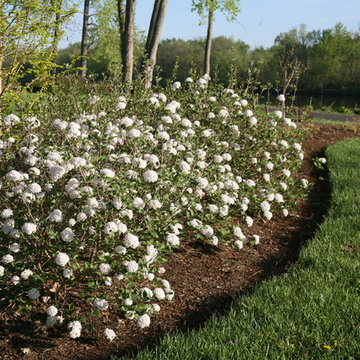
(228, 7)
(226, 53)
(27, 45)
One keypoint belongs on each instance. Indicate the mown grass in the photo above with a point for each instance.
(313, 310)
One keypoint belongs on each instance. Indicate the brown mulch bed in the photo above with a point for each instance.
(205, 278)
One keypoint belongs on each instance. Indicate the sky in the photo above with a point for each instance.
(259, 22)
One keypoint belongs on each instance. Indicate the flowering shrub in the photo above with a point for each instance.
(92, 202)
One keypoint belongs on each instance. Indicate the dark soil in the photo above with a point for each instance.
(205, 278)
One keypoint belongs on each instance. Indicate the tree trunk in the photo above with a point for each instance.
(208, 43)
(55, 43)
(150, 35)
(84, 39)
(157, 20)
(121, 22)
(128, 53)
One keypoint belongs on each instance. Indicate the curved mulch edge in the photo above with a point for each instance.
(205, 278)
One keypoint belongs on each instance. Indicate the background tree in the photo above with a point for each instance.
(153, 38)
(26, 45)
(129, 36)
(208, 7)
(84, 38)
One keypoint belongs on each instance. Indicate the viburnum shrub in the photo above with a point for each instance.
(91, 202)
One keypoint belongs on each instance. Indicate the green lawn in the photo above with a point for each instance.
(311, 312)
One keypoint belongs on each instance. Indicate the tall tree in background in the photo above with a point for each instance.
(207, 8)
(26, 46)
(121, 21)
(153, 39)
(84, 38)
(63, 10)
(128, 41)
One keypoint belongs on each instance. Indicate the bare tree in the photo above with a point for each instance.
(128, 40)
(208, 42)
(153, 39)
(84, 38)
(121, 22)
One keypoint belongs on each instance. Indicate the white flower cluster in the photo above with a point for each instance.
(102, 196)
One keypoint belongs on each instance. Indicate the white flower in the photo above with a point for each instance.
(249, 221)
(107, 172)
(56, 216)
(131, 241)
(101, 304)
(109, 334)
(15, 280)
(238, 233)
(11, 119)
(59, 124)
(163, 135)
(223, 113)
(322, 160)
(126, 121)
(279, 198)
(2, 270)
(239, 244)
(117, 203)
(285, 212)
(57, 172)
(278, 114)
(52, 310)
(252, 121)
(81, 217)
(143, 321)
(7, 259)
(67, 234)
(75, 329)
(14, 176)
(139, 203)
(120, 106)
(6, 213)
(281, 98)
(176, 85)
(185, 167)
(207, 231)
(29, 228)
(33, 294)
(62, 259)
(305, 182)
(286, 172)
(267, 214)
(25, 274)
(14, 247)
(150, 176)
(265, 206)
(155, 204)
(132, 266)
(173, 239)
(189, 80)
(248, 113)
(110, 228)
(256, 239)
(67, 273)
(104, 268)
(134, 133)
(159, 293)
